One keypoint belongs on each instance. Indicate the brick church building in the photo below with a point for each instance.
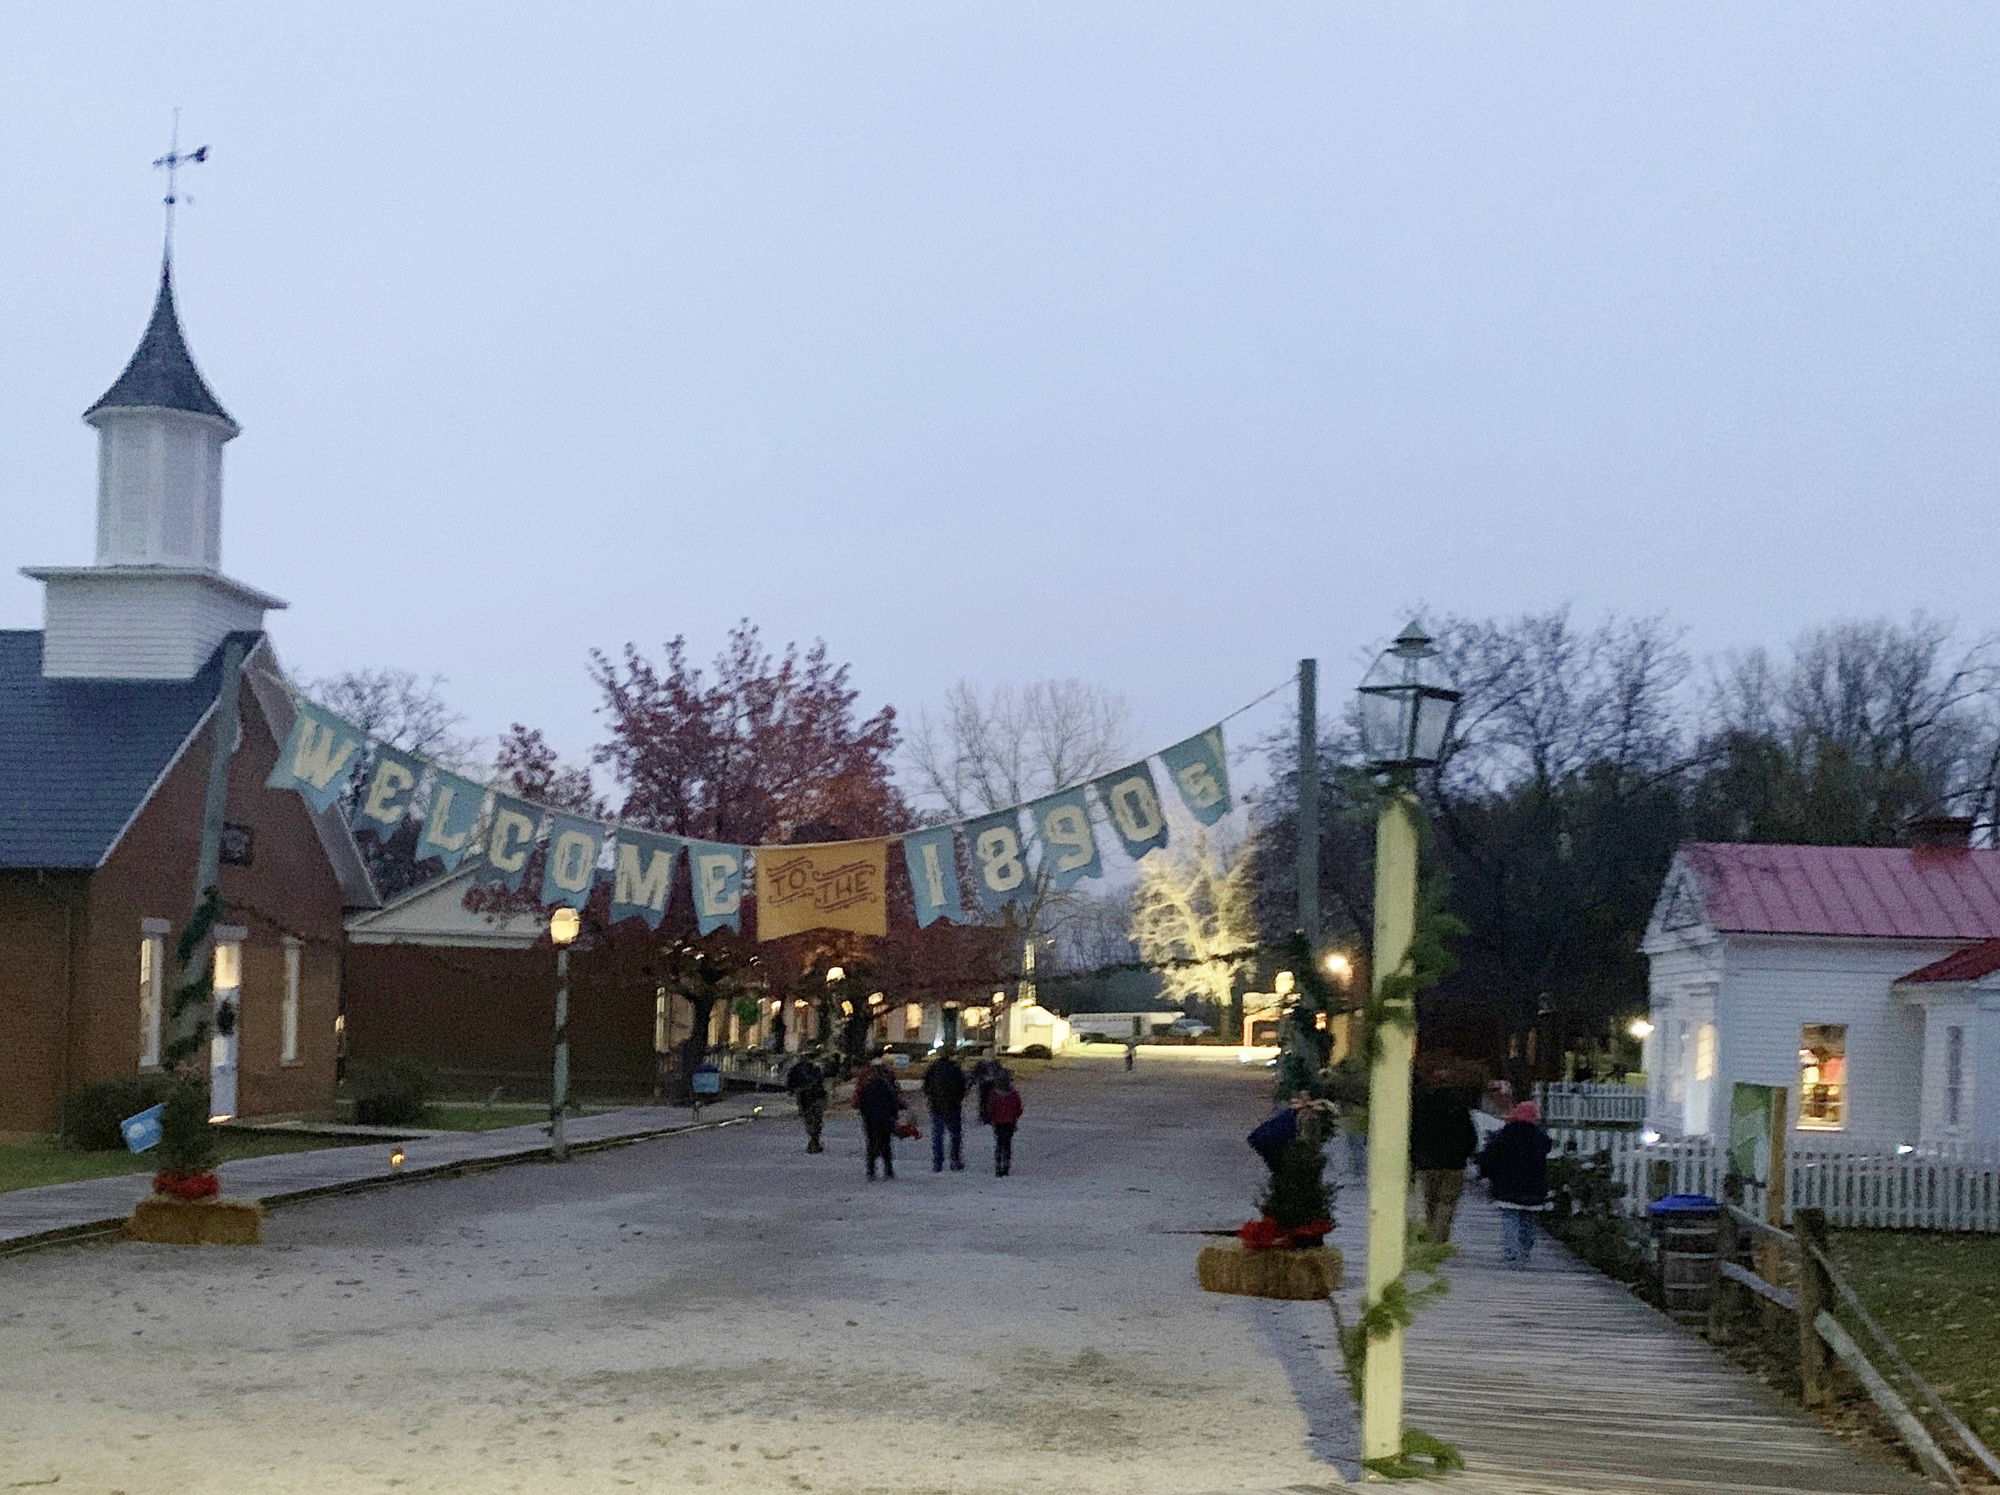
(108, 719)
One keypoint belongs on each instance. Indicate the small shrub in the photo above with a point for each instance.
(89, 1116)
(187, 1140)
(1585, 1217)
(391, 1092)
(1037, 1051)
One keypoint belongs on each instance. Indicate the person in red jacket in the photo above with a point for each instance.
(1003, 1114)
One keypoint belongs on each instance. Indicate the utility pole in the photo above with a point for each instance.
(215, 809)
(1308, 813)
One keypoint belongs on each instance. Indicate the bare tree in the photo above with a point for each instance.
(1093, 930)
(1195, 902)
(1010, 746)
(397, 707)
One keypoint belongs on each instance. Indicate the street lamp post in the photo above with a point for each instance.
(564, 925)
(1406, 709)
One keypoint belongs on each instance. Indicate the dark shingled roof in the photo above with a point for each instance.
(162, 374)
(77, 757)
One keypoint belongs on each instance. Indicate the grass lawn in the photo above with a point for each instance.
(1938, 1296)
(42, 1160)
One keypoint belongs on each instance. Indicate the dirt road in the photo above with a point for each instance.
(712, 1312)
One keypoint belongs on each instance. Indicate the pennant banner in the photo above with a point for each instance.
(510, 836)
(999, 864)
(716, 872)
(450, 819)
(932, 857)
(319, 755)
(828, 885)
(642, 877)
(1069, 845)
(831, 885)
(389, 791)
(574, 846)
(1200, 770)
(1133, 807)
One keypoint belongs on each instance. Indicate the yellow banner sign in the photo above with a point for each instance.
(829, 885)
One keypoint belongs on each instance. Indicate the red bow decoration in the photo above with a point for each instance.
(187, 1187)
(1266, 1234)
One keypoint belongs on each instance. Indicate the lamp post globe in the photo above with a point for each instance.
(1407, 703)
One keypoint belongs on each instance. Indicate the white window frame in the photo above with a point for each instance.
(152, 989)
(288, 1025)
(1954, 1075)
(1843, 1085)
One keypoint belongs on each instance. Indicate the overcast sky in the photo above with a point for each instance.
(1154, 345)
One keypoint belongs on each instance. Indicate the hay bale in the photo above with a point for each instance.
(163, 1221)
(1294, 1275)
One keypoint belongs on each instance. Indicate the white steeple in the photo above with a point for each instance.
(156, 604)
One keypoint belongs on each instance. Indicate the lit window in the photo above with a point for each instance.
(913, 1017)
(1954, 1074)
(660, 1020)
(152, 989)
(1823, 1077)
(289, 1040)
(1704, 1052)
(222, 1047)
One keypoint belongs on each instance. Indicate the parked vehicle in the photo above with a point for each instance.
(1189, 1027)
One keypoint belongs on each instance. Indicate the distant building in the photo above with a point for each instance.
(105, 737)
(1864, 980)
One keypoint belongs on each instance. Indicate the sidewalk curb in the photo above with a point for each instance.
(89, 1230)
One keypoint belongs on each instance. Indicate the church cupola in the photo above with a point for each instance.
(156, 605)
(159, 453)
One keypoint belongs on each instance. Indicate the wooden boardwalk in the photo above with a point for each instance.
(1556, 1381)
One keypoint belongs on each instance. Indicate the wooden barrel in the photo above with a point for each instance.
(1688, 1266)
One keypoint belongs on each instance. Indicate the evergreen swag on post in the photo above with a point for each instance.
(187, 1140)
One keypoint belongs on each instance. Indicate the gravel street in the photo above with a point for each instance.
(716, 1311)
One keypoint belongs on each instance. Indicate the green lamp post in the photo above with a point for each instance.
(1406, 709)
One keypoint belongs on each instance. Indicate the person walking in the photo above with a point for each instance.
(1442, 1142)
(880, 1101)
(1003, 1113)
(944, 1091)
(807, 1083)
(1515, 1166)
(988, 1069)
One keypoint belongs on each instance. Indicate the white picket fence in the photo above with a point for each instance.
(1580, 1103)
(1941, 1188)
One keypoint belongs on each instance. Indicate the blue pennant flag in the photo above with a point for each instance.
(1069, 845)
(510, 836)
(643, 875)
(450, 820)
(1133, 807)
(574, 846)
(717, 878)
(391, 788)
(319, 755)
(999, 864)
(933, 863)
(142, 1132)
(1200, 770)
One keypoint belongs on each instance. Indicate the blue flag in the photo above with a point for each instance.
(1133, 807)
(999, 865)
(1200, 770)
(319, 755)
(933, 863)
(642, 878)
(450, 821)
(143, 1131)
(388, 792)
(574, 845)
(1069, 846)
(717, 874)
(510, 836)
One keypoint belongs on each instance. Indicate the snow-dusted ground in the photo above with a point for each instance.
(710, 1312)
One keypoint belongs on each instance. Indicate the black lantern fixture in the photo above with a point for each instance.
(1406, 705)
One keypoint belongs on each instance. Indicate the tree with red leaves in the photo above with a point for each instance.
(766, 750)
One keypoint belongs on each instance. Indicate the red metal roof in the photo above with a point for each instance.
(1925, 892)
(1969, 964)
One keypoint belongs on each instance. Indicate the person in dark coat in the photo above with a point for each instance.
(807, 1083)
(1003, 1114)
(984, 1073)
(879, 1099)
(1442, 1142)
(944, 1091)
(1515, 1166)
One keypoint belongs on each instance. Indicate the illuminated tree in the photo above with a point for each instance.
(1196, 902)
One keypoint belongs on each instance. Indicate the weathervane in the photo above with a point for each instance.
(173, 161)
